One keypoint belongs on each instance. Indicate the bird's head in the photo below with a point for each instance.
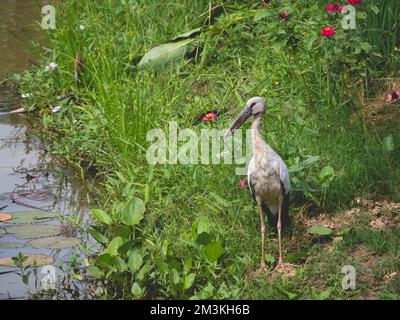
(255, 107)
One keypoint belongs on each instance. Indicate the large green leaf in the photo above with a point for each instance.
(326, 175)
(30, 217)
(189, 34)
(104, 261)
(33, 260)
(133, 212)
(136, 290)
(34, 231)
(167, 53)
(112, 248)
(174, 276)
(213, 251)
(95, 272)
(135, 260)
(98, 236)
(189, 280)
(322, 231)
(101, 216)
(119, 264)
(54, 242)
(204, 225)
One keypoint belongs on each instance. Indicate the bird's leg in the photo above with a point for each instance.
(263, 265)
(280, 261)
(281, 264)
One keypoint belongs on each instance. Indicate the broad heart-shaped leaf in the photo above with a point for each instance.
(33, 260)
(11, 245)
(133, 212)
(322, 231)
(101, 216)
(213, 251)
(54, 242)
(30, 217)
(32, 231)
(166, 53)
(135, 260)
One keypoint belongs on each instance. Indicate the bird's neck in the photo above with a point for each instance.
(256, 137)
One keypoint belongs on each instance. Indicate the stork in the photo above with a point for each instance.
(268, 177)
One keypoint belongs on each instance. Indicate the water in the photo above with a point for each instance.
(29, 178)
(18, 27)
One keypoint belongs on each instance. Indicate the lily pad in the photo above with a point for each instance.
(321, 231)
(30, 217)
(40, 195)
(54, 242)
(5, 217)
(34, 231)
(11, 245)
(37, 260)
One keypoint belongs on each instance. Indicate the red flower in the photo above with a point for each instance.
(334, 8)
(392, 96)
(209, 116)
(242, 183)
(354, 2)
(328, 31)
(283, 15)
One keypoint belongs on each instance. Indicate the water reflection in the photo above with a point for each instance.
(18, 28)
(32, 180)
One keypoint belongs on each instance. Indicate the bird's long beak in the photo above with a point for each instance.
(241, 118)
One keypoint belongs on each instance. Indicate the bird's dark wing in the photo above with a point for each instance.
(286, 222)
(251, 186)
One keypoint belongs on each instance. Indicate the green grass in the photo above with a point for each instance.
(315, 91)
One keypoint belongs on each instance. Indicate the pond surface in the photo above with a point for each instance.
(30, 180)
(18, 27)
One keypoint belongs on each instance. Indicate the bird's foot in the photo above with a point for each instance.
(284, 267)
